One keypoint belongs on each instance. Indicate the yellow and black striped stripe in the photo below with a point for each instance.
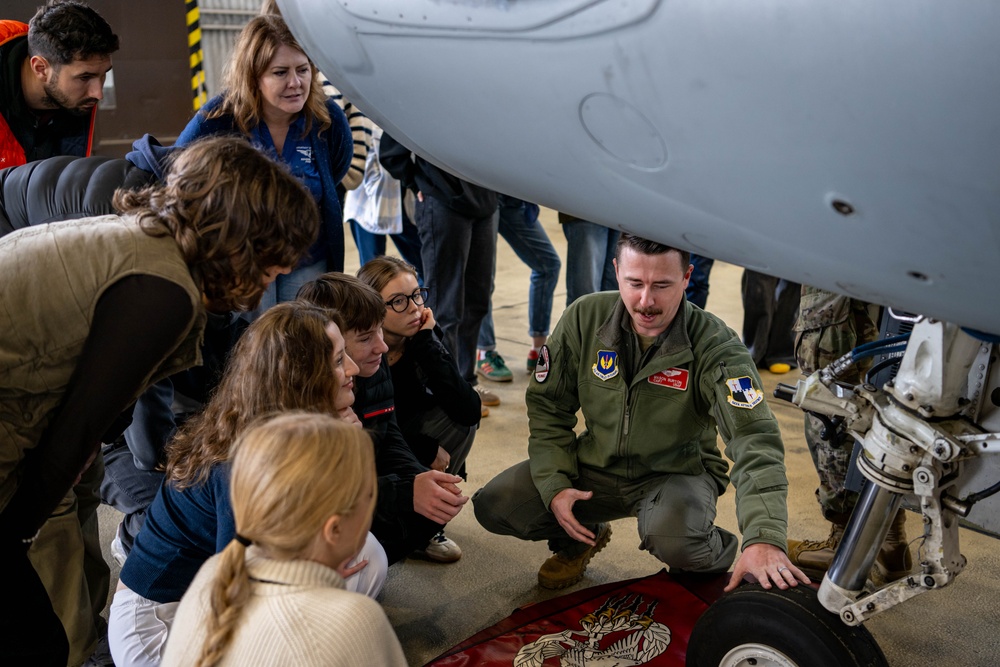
(199, 90)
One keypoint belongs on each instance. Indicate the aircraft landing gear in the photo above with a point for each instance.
(774, 628)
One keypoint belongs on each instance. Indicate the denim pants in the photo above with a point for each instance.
(458, 252)
(676, 514)
(589, 250)
(287, 286)
(697, 289)
(407, 243)
(519, 226)
(129, 489)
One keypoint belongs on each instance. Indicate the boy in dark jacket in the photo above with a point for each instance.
(414, 502)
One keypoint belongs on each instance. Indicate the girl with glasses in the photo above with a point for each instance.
(438, 411)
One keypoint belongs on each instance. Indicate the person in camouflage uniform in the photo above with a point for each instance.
(829, 326)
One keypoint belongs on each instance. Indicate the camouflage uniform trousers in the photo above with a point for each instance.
(829, 326)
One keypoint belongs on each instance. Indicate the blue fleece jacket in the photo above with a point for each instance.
(331, 151)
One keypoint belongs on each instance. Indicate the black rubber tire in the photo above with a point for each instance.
(791, 622)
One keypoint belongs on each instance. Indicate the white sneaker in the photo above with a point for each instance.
(117, 548)
(441, 549)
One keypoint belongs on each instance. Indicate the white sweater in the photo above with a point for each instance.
(298, 614)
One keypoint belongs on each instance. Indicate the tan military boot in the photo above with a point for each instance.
(894, 560)
(560, 571)
(815, 557)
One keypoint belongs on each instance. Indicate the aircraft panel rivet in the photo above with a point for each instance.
(842, 207)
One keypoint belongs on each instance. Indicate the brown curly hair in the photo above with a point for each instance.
(282, 362)
(234, 213)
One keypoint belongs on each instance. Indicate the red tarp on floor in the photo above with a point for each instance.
(645, 621)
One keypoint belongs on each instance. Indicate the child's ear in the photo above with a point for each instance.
(331, 529)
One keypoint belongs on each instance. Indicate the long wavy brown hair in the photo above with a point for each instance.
(291, 474)
(233, 212)
(255, 48)
(282, 362)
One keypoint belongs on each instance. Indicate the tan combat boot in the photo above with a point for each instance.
(560, 571)
(814, 557)
(894, 560)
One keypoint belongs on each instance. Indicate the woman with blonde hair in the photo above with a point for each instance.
(303, 492)
(274, 98)
(291, 358)
(98, 309)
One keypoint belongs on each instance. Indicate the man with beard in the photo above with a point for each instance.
(657, 380)
(52, 75)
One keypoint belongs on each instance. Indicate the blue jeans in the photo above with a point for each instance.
(697, 289)
(286, 287)
(407, 243)
(589, 250)
(458, 254)
(519, 226)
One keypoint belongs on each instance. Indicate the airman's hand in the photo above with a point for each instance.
(766, 563)
(562, 507)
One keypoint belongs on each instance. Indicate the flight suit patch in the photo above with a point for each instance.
(607, 364)
(543, 365)
(742, 393)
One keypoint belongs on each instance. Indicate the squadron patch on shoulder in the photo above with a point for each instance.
(607, 364)
(675, 378)
(742, 393)
(543, 365)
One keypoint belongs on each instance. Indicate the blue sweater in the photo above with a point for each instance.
(183, 529)
(331, 152)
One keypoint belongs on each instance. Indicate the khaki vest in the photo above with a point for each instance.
(51, 277)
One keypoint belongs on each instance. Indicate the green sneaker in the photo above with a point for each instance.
(493, 368)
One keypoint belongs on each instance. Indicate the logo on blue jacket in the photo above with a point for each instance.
(607, 364)
(742, 393)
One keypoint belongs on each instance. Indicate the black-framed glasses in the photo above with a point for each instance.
(399, 302)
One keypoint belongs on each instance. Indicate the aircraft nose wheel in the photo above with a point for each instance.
(753, 627)
(756, 655)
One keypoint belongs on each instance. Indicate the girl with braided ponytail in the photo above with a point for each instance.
(292, 358)
(303, 493)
